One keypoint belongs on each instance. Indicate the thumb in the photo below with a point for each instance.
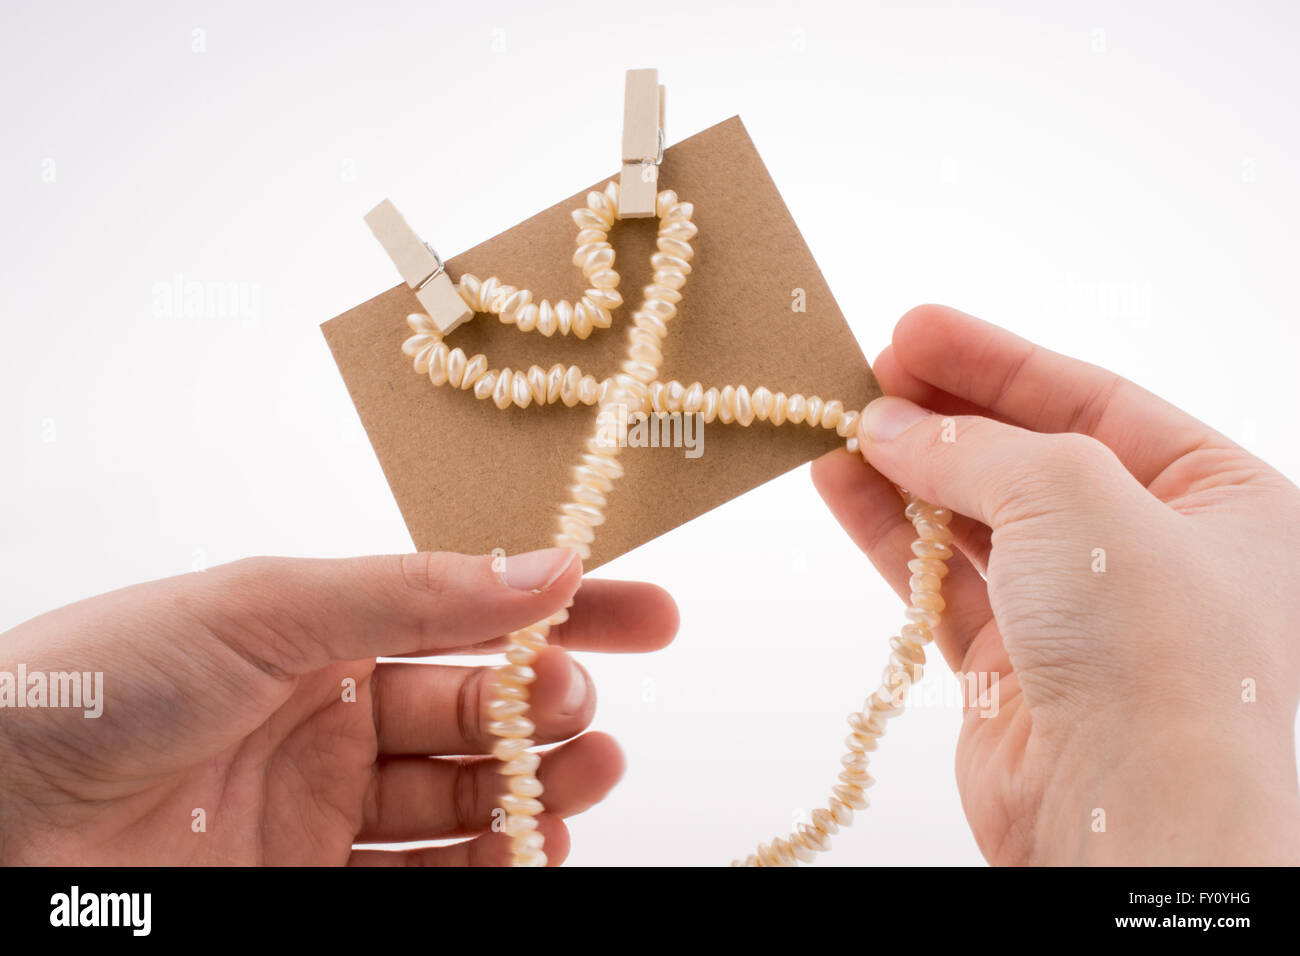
(985, 469)
(294, 615)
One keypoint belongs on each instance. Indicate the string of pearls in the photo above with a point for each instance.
(636, 387)
(571, 386)
(932, 548)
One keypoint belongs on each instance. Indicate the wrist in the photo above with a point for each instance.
(1177, 795)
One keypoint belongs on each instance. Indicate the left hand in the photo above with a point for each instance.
(226, 692)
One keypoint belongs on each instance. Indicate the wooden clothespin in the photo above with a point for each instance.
(420, 266)
(643, 144)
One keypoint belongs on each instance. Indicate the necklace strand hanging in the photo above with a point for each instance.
(636, 387)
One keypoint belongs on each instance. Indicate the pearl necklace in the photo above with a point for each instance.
(636, 387)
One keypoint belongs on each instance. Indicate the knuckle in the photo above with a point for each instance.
(469, 708)
(1074, 454)
(428, 571)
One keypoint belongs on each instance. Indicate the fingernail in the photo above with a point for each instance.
(888, 417)
(576, 695)
(537, 570)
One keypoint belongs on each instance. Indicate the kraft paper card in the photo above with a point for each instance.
(470, 477)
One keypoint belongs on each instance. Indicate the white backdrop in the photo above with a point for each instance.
(1114, 180)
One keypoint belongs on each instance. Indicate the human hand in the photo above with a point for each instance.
(224, 691)
(1139, 610)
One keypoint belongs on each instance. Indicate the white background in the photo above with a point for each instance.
(1115, 180)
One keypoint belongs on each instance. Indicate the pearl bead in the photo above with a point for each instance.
(931, 549)
(525, 786)
(796, 408)
(848, 425)
(438, 364)
(675, 248)
(519, 825)
(813, 413)
(727, 405)
(744, 406)
(512, 727)
(456, 362)
(526, 317)
(586, 219)
(536, 380)
(852, 796)
(469, 291)
(474, 370)
(546, 323)
(604, 298)
(832, 411)
(780, 409)
(564, 317)
(524, 806)
(486, 293)
(524, 763)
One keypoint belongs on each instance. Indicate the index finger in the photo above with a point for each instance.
(992, 372)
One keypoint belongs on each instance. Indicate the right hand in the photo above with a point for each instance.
(1123, 690)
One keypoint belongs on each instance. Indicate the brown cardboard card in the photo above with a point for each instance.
(470, 477)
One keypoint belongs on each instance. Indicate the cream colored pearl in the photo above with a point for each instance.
(744, 407)
(501, 394)
(662, 261)
(848, 425)
(661, 292)
(780, 409)
(682, 229)
(520, 393)
(569, 387)
(604, 279)
(438, 364)
(546, 323)
(586, 219)
(504, 708)
(526, 317)
(796, 408)
(469, 291)
(525, 786)
(675, 248)
(519, 825)
(456, 362)
(672, 278)
(601, 205)
(511, 727)
(727, 405)
(852, 796)
(832, 411)
(564, 317)
(474, 370)
(693, 400)
(604, 298)
(582, 325)
(483, 388)
(709, 407)
(813, 413)
(524, 806)
(517, 300)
